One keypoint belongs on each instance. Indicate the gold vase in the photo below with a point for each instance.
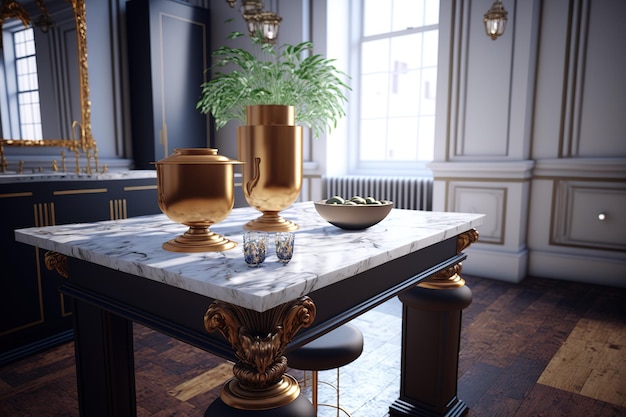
(196, 188)
(270, 145)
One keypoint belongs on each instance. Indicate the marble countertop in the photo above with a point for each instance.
(69, 176)
(323, 254)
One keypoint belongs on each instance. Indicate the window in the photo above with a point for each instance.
(27, 84)
(21, 109)
(395, 80)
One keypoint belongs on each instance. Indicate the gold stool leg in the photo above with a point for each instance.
(338, 406)
(315, 393)
(314, 390)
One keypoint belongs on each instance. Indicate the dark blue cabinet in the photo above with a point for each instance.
(35, 315)
(168, 49)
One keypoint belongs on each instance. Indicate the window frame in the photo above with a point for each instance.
(355, 165)
(34, 107)
(10, 117)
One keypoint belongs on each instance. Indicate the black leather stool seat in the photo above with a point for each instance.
(333, 350)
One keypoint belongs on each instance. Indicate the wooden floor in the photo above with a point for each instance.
(540, 348)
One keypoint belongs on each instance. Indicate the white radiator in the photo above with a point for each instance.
(406, 192)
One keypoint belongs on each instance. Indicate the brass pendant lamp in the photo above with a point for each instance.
(260, 23)
(495, 20)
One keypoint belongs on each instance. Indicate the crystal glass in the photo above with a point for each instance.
(254, 245)
(284, 246)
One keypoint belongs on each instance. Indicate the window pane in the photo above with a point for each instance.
(426, 134)
(431, 47)
(34, 82)
(428, 92)
(408, 14)
(375, 56)
(403, 138)
(28, 35)
(407, 48)
(31, 64)
(374, 95)
(405, 89)
(20, 36)
(431, 12)
(20, 66)
(376, 17)
(22, 83)
(373, 137)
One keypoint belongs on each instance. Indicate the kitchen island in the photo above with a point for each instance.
(117, 273)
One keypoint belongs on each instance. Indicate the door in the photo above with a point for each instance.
(168, 57)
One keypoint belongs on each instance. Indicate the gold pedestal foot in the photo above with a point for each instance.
(199, 239)
(271, 221)
(278, 395)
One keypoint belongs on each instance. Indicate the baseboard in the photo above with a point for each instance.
(577, 268)
(36, 347)
(499, 265)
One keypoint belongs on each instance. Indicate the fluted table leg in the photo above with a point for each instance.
(431, 334)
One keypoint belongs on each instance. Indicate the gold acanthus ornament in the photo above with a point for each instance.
(259, 339)
(451, 277)
(56, 261)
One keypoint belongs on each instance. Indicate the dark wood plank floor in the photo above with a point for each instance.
(539, 348)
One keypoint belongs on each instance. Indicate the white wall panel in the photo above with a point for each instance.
(490, 201)
(491, 87)
(602, 97)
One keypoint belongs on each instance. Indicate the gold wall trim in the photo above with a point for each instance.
(22, 327)
(140, 187)
(44, 214)
(12, 195)
(83, 191)
(118, 209)
(64, 311)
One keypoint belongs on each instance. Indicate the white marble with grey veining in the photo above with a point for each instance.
(323, 254)
(9, 178)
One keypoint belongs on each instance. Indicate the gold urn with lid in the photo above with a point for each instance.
(196, 188)
(271, 146)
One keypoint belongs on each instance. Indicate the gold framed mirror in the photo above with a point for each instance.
(81, 141)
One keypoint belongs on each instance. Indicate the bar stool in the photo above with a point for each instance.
(333, 350)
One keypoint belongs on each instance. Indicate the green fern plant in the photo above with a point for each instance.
(286, 75)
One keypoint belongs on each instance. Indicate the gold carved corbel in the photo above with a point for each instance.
(57, 261)
(259, 341)
(451, 276)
